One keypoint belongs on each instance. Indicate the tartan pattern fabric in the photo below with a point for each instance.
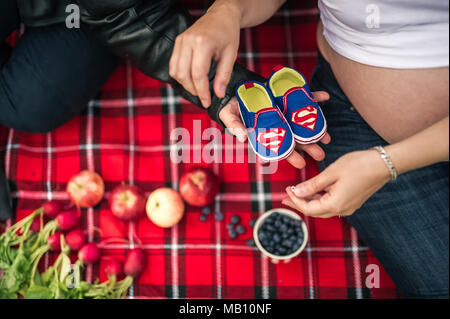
(124, 135)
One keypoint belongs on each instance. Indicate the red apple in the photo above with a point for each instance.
(127, 202)
(86, 189)
(165, 207)
(199, 186)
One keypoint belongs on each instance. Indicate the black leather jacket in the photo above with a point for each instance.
(142, 30)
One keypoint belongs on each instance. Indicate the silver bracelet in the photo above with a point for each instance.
(384, 155)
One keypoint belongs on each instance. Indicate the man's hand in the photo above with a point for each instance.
(215, 36)
(231, 117)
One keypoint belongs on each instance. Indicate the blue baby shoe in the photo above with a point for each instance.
(295, 100)
(269, 133)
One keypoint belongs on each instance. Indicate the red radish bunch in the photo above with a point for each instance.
(76, 239)
(86, 189)
(51, 209)
(113, 267)
(89, 253)
(127, 202)
(54, 242)
(67, 220)
(135, 263)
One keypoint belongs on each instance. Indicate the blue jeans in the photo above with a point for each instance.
(405, 224)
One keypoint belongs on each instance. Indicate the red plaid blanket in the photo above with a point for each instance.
(125, 136)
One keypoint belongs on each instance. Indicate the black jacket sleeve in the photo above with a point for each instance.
(5, 208)
(145, 32)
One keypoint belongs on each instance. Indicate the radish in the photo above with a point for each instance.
(135, 263)
(76, 239)
(113, 268)
(89, 253)
(54, 242)
(36, 225)
(86, 189)
(127, 202)
(67, 220)
(51, 209)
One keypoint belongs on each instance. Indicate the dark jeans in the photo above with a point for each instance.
(49, 77)
(405, 224)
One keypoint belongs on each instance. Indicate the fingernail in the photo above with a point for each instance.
(205, 103)
(300, 190)
(240, 135)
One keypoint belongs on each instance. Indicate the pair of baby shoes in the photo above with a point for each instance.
(280, 114)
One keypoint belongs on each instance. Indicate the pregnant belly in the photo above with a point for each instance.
(395, 103)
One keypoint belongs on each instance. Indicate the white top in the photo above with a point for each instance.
(400, 34)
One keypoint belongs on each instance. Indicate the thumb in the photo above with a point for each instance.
(314, 185)
(231, 118)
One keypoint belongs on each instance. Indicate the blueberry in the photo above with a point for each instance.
(297, 223)
(276, 238)
(285, 235)
(277, 251)
(283, 228)
(272, 244)
(206, 210)
(293, 238)
(232, 234)
(219, 216)
(290, 231)
(251, 242)
(278, 223)
(282, 251)
(235, 219)
(203, 218)
(230, 226)
(291, 251)
(265, 242)
(288, 243)
(286, 219)
(240, 229)
(252, 223)
(269, 228)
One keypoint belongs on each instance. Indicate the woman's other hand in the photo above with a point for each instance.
(342, 188)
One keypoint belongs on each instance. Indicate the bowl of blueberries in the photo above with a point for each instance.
(280, 234)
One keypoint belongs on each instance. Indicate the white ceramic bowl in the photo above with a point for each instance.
(276, 259)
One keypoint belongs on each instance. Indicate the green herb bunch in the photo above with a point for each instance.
(21, 250)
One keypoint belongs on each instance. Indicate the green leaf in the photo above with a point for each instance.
(5, 294)
(47, 276)
(39, 292)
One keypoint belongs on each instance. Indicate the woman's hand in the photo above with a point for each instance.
(230, 116)
(215, 36)
(342, 188)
